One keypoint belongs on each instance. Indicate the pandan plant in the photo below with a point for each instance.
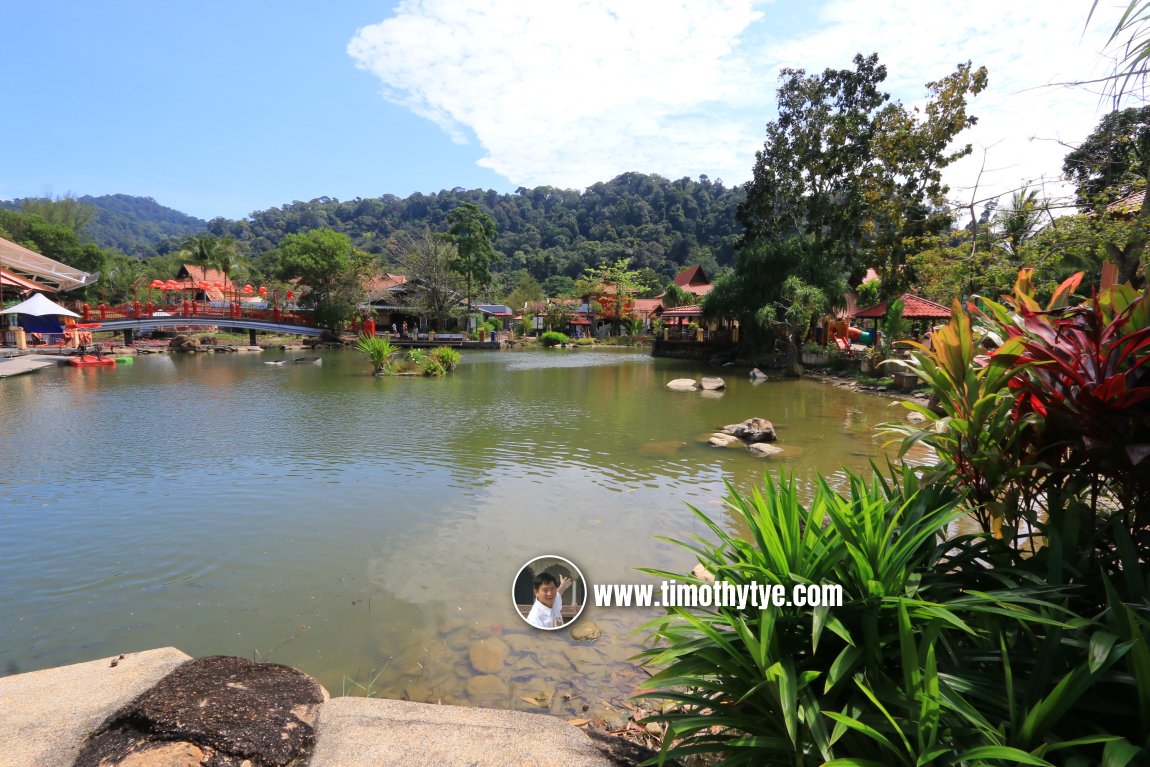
(378, 350)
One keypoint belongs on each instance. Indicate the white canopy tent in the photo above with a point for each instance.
(39, 306)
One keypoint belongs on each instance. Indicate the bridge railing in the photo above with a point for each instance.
(190, 309)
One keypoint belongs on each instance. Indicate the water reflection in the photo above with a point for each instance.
(368, 530)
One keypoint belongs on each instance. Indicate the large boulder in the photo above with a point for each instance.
(219, 710)
(683, 384)
(758, 375)
(752, 430)
(183, 343)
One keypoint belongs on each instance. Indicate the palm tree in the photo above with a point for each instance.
(228, 256)
(200, 250)
(1019, 220)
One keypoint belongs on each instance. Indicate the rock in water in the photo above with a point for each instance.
(713, 384)
(763, 450)
(757, 375)
(487, 690)
(586, 631)
(487, 655)
(683, 384)
(232, 710)
(723, 440)
(756, 430)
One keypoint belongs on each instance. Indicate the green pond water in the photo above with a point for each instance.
(368, 531)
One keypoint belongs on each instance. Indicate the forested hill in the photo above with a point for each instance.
(658, 223)
(136, 224)
(132, 225)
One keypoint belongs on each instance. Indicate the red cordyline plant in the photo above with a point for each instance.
(1084, 371)
(1045, 412)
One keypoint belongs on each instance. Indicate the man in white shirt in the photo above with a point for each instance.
(547, 612)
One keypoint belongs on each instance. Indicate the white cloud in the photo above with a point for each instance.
(570, 92)
(1024, 122)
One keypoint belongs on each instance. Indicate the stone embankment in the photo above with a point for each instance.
(161, 708)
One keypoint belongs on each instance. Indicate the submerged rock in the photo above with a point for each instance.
(586, 631)
(683, 384)
(723, 440)
(763, 450)
(487, 655)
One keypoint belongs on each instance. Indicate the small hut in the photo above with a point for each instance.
(920, 312)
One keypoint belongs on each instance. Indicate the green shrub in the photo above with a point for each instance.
(837, 359)
(584, 341)
(554, 338)
(447, 357)
(432, 367)
(378, 350)
(417, 357)
(886, 677)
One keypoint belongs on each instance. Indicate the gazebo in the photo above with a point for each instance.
(914, 308)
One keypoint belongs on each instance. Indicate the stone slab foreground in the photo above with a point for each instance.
(46, 715)
(365, 732)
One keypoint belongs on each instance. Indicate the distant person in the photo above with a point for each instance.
(547, 612)
(394, 330)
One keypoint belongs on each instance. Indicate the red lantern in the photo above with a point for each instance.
(290, 295)
(263, 291)
(158, 285)
(248, 290)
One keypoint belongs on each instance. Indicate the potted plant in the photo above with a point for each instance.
(814, 355)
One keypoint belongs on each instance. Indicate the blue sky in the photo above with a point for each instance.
(224, 108)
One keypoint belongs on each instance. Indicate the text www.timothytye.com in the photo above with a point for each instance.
(718, 594)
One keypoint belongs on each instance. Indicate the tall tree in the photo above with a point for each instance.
(614, 287)
(332, 269)
(856, 174)
(472, 230)
(433, 288)
(1111, 163)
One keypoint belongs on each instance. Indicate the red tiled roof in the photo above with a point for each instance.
(1131, 203)
(692, 276)
(381, 283)
(647, 305)
(914, 307)
(197, 275)
(684, 311)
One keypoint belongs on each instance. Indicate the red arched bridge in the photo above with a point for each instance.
(136, 317)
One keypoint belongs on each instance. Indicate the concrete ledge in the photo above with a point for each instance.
(366, 732)
(46, 715)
